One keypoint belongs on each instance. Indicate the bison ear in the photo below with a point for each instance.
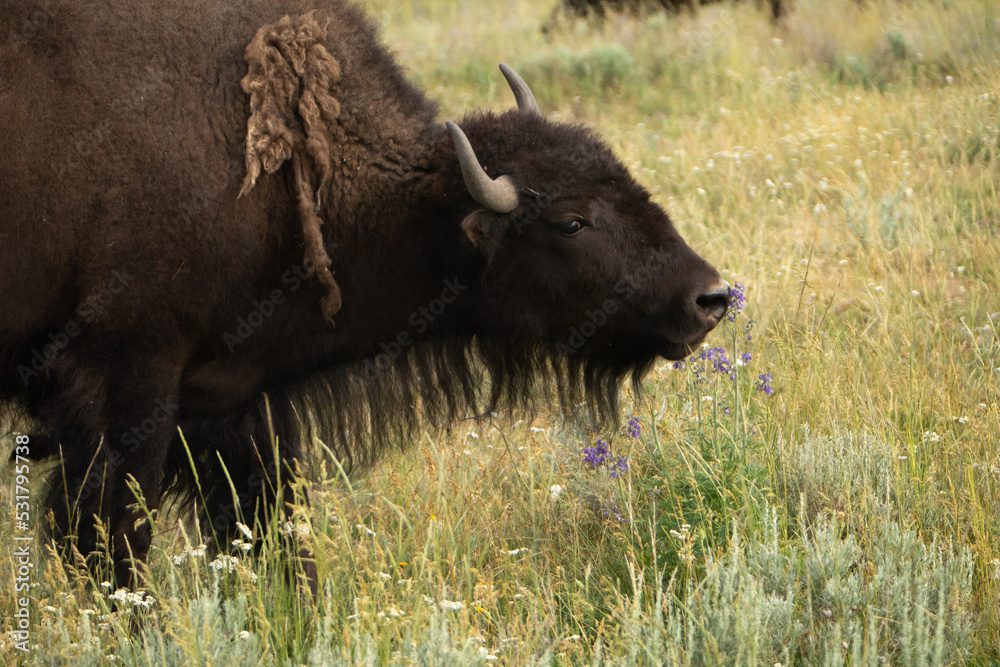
(485, 230)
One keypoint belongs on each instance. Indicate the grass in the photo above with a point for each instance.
(844, 169)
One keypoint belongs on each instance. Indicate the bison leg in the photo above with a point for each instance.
(112, 428)
(246, 463)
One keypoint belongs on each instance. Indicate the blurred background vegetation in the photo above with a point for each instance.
(841, 166)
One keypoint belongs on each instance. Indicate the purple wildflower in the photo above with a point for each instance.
(597, 454)
(720, 362)
(611, 509)
(764, 383)
(678, 365)
(634, 428)
(619, 466)
(737, 299)
(746, 357)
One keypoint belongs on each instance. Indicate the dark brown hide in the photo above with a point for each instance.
(166, 234)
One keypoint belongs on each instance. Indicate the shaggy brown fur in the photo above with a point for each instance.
(148, 286)
(290, 82)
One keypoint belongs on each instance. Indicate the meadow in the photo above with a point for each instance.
(818, 485)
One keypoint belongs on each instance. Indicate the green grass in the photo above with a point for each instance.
(844, 167)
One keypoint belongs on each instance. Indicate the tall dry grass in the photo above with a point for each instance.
(843, 168)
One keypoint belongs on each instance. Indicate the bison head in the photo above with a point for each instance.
(575, 256)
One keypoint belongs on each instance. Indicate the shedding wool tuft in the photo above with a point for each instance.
(290, 78)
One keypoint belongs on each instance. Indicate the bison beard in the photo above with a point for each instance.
(131, 257)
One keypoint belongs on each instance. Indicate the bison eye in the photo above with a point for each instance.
(571, 227)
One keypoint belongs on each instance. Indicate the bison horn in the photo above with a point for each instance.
(525, 100)
(500, 195)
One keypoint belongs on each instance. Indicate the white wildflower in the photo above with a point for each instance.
(137, 599)
(242, 546)
(448, 605)
(225, 563)
(245, 529)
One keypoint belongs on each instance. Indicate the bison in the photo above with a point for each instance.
(599, 9)
(231, 227)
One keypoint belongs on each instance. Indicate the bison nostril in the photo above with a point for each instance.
(715, 303)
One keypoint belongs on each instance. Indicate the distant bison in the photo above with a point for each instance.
(230, 242)
(600, 8)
